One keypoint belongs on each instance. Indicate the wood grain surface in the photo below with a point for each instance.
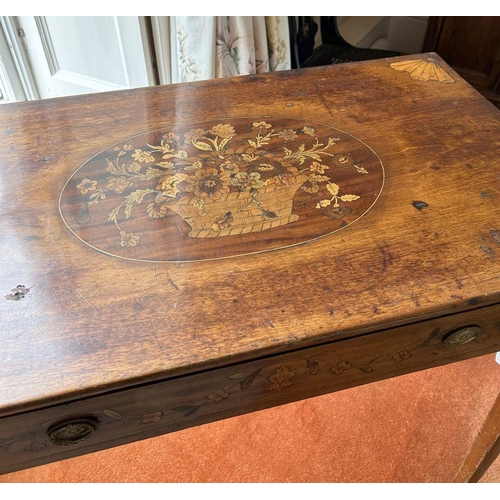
(161, 407)
(76, 321)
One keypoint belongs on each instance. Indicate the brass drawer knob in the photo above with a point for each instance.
(462, 336)
(72, 431)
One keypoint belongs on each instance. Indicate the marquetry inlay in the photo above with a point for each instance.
(222, 188)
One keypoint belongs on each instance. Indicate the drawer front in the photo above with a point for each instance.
(112, 419)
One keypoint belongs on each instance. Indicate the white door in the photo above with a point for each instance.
(84, 54)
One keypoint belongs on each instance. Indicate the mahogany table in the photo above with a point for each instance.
(175, 255)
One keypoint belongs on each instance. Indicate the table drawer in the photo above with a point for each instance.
(100, 422)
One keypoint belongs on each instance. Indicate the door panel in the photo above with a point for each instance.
(84, 54)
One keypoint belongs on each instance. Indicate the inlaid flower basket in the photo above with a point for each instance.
(222, 179)
(240, 212)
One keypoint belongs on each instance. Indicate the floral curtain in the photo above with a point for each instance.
(205, 47)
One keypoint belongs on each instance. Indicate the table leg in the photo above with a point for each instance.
(485, 449)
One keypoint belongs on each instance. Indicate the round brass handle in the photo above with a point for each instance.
(462, 336)
(72, 431)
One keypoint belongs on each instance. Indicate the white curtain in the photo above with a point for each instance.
(192, 48)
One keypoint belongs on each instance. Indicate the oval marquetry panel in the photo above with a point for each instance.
(219, 189)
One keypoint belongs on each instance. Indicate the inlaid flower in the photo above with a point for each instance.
(134, 167)
(152, 417)
(143, 156)
(200, 174)
(246, 181)
(343, 160)
(230, 166)
(341, 367)
(118, 184)
(309, 131)
(223, 131)
(323, 203)
(218, 395)
(265, 167)
(208, 183)
(336, 212)
(283, 377)
(288, 135)
(171, 137)
(129, 239)
(260, 125)
(156, 211)
(86, 185)
(35, 447)
(400, 356)
(270, 166)
(123, 149)
(318, 167)
(194, 135)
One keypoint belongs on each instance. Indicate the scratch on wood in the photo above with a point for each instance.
(153, 333)
(495, 235)
(488, 251)
(386, 255)
(323, 100)
(84, 299)
(414, 297)
(173, 284)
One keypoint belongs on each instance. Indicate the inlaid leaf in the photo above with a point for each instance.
(187, 410)
(165, 164)
(318, 178)
(361, 170)
(333, 189)
(98, 195)
(203, 146)
(313, 366)
(237, 376)
(113, 215)
(151, 173)
(195, 166)
(111, 167)
(433, 337)
(349, 197)
(35, 447)
(323, 203)
(225, 141)
(332, 141)
(314, 188)
(138, 195)
(249, 158)
(245, 384)
(112, 414)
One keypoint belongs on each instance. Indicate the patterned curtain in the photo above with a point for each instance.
(208, 47)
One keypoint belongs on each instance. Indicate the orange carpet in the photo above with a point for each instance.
(415, 428)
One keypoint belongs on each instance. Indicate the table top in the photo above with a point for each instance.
(156, 232)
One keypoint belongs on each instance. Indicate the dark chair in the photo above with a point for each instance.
(333, 49)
